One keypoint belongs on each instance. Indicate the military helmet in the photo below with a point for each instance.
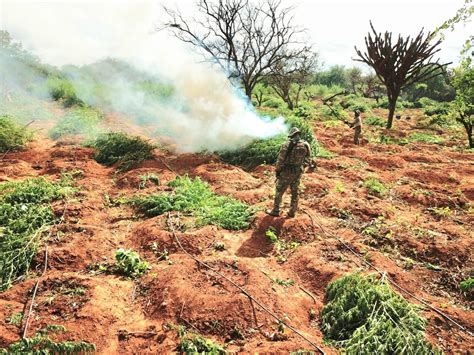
(357, 112)
(294, 131)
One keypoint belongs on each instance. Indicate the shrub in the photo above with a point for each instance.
(375, 187)
(266, 151)
(12, 136)
(80, 121)
(274, 103)
(437, 108)
(63, 90)
(41, 343)
(25, 214)
(375, 121)
(119, 148)
(365, 316)
(196, 197)
(128, 263)
(423, 138)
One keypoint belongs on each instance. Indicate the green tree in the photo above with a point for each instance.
(463, 105)
(335, 75)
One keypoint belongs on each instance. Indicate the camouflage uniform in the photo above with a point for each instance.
(357, 126)
(294, 155)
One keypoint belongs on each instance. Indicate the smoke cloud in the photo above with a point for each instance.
(196, 107)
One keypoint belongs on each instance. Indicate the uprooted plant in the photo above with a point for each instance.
(119, 148)
(25, 216)
(127, 263)
(12, 136)
(266, 151)
(196, 198)
(365, 316)
(192, 343)
(41, 343)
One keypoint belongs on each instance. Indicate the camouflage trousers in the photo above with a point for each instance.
(291, 180)
(357, 132)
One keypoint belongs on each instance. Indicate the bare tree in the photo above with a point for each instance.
(290, 76)
(401, 63)
(245, 38)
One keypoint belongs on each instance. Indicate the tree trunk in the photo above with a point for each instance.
(248, 92)
(469, 134)
(392, 104)
(289, 103)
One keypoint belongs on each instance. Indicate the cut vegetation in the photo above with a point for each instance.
(25, 217)
(364, 315)
(127, 152)
(196, 198)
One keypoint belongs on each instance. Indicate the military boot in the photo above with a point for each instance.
(273, 212)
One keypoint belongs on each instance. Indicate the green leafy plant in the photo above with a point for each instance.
(375, 121)
(25, 215)
(41, 343)
(375, 187)
(266, 151)
(197, 198)
(365, 316)
(80, 121)
(192, 343)
(284, 283)
(467, 285)
(151, 177)
(122, 149)
(283, 249)
(62, 90)
(12, 136)
(15, 318)
(422, 138)
(128, 263)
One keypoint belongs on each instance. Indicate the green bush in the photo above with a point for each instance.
(41, 343)
(425, 102)
(122, 149)
(423, 138)
(365, 316)
(196, 197)
(62, 90)
(25, 214)
(375, 121)
(266, 151)
(80, 121)
(274, 103)
(439, 108)
(12, 136)
(128, 263)
(375, 187)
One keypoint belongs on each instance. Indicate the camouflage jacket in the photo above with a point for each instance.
(297, 156)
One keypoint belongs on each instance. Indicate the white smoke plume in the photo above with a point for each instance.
(204, 111)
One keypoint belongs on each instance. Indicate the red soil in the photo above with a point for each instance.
(120, 315)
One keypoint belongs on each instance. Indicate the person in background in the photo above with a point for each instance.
(357, 126)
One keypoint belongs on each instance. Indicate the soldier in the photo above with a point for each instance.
(357, 126)
(294, 155)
